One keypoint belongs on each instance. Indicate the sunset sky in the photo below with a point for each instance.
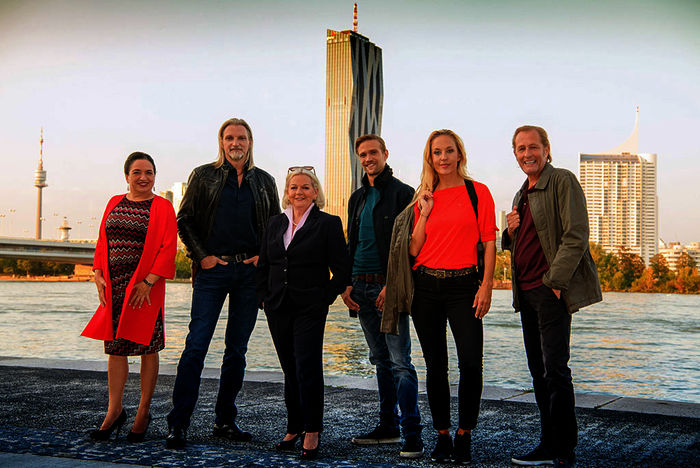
(107, 78)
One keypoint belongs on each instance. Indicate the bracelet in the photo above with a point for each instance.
(145, 281)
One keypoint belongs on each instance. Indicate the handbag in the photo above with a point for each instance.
(479, 245)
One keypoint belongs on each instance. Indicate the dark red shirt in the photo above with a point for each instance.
(530, 262)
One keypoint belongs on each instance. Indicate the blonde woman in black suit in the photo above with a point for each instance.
(299, 248)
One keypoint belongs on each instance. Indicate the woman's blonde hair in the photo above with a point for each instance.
(222, 154)
(429, 177)
(320, 198)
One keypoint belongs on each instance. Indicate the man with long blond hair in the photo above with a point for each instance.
(221, 221)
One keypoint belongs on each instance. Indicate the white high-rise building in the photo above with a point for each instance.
(620, 190)
(174, 194)
(502, 225)
(672, 253)
(178, 190)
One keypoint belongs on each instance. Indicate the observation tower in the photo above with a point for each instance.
(40, 183)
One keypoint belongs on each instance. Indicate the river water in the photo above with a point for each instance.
(640, 345)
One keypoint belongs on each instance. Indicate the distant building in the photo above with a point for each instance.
(178, 191)
(174, 194)
(672, 253)
(502, 225)
(354, 99)
(620, 189)
(64, 228)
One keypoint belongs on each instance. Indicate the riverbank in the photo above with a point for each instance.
(89, 277)
(48, 279)
(65, 279)
(48, 406)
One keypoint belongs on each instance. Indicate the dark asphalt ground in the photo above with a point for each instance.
(49, 412)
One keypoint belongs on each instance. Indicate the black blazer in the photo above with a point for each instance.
(302, 270)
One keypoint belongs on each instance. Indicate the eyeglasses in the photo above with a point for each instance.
(301, 168)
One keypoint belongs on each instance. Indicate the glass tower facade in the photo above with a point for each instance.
(354, 98)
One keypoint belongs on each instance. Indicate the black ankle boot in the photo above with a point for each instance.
(462, 450)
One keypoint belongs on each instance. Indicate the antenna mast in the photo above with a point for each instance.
(354, 19)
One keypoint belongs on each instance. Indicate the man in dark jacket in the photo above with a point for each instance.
(553, 276)
(371, 212)
(221, 221)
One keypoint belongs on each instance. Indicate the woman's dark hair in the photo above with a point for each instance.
(135, 156)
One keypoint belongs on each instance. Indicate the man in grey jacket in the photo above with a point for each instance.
(553, 276)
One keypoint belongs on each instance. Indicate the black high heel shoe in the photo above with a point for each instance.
(287, 445)
(310, 454)
(139, 436)
(104, 434)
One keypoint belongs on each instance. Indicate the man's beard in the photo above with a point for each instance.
(236, 155)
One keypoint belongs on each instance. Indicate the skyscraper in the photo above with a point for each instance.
(620, 189)
(354, 98)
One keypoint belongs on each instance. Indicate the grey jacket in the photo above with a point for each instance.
(558, 208)
(399, 275)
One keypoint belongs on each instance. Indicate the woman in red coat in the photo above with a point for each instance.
(135, 253)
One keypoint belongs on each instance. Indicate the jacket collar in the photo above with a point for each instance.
(310, 221)
(542, 181)
(227, 167)
(381, 180)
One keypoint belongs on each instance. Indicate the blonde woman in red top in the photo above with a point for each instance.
(447, 288)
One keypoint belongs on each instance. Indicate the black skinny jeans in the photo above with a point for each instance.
(435, 302)
(546, 333)
(297, 332)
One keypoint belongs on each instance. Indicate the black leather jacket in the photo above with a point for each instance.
(394, 195)
(196, 214)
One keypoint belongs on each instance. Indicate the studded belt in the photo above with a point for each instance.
(440, 273)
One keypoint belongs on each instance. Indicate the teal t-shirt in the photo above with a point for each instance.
(366, 255)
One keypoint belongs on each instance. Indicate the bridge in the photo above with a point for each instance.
(79, 253)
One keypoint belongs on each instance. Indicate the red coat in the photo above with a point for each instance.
(158, 257)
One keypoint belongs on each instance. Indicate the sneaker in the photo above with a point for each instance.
(380, 435)
(443, 449)
(539, 456)
(462, 452)
(412, 447)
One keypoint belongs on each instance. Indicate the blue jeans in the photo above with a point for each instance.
(391, 355)
(210, 288)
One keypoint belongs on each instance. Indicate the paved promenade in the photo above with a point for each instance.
(47, 408)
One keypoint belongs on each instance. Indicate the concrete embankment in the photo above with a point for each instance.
(47, 408)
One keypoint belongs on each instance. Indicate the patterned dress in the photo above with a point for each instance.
(126, 228)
